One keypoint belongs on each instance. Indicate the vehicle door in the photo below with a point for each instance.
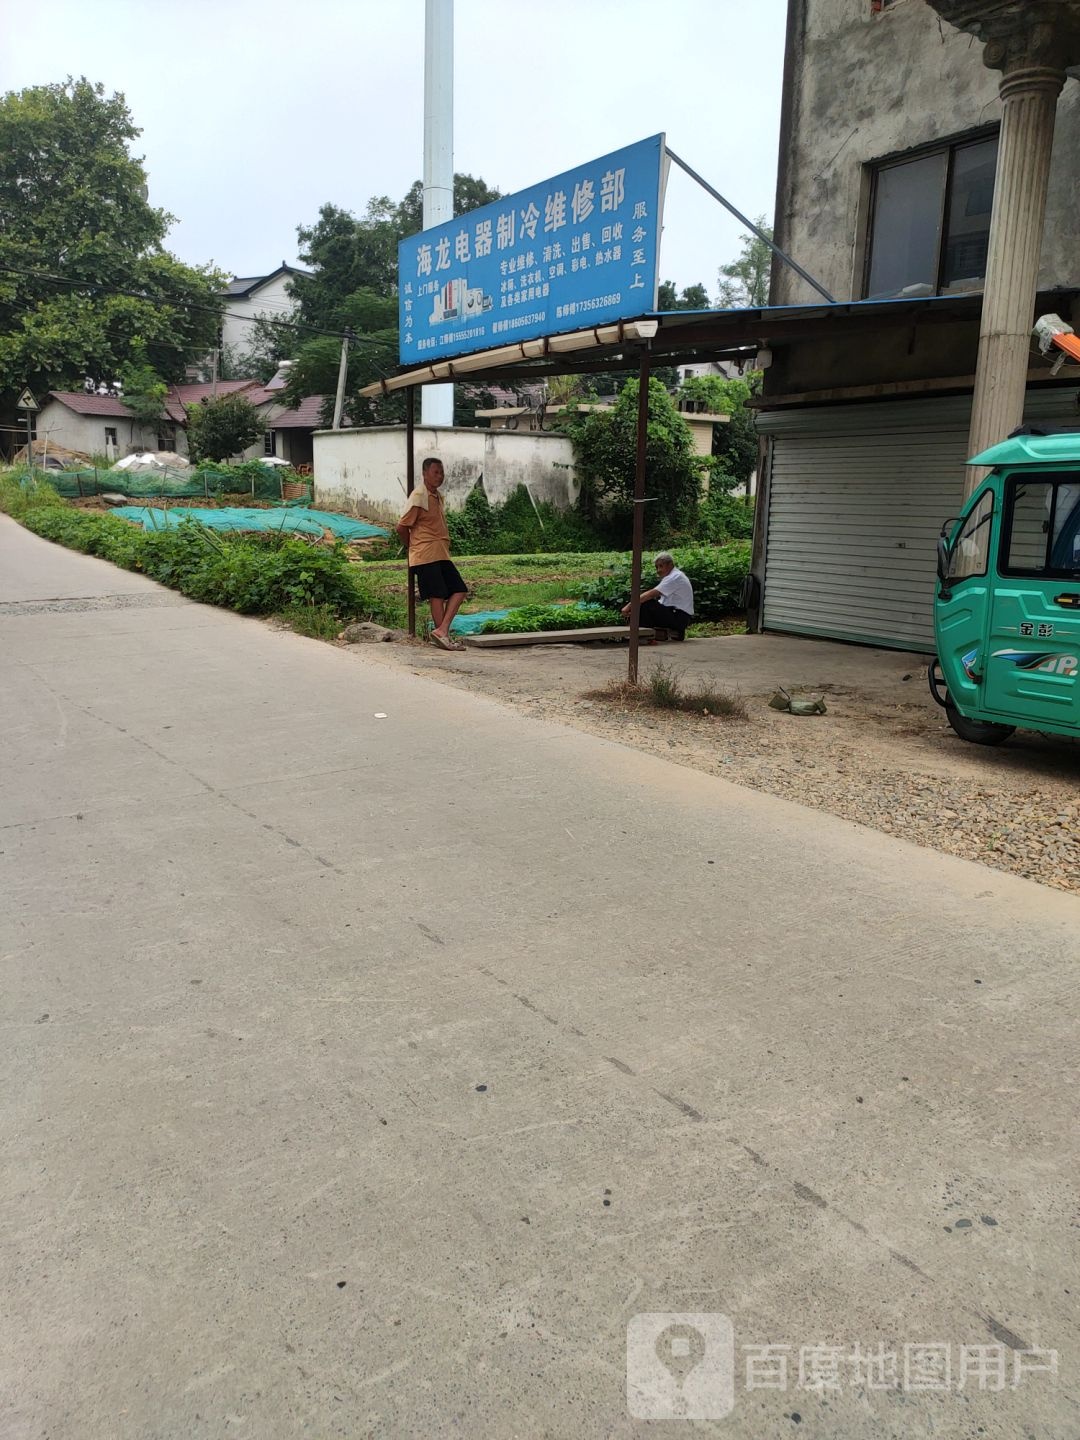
(1033, 665)
(962, 607)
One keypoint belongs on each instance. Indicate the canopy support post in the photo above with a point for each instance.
(639, 511)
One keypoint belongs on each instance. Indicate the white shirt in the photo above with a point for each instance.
(676, 591)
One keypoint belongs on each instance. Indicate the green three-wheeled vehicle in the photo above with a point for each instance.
(1007, 611)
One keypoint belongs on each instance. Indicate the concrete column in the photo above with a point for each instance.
(1029, 106)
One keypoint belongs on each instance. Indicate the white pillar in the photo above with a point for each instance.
(437, 402)
(1029, 108)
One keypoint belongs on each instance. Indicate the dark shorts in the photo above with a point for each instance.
(438, 580)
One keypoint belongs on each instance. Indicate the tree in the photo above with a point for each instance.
(744, 284)
(144, 391)
(372, 355)
(350, 254)
(693, 297)
(221, 428)
(354, 286)
(76, 229)
(735, 445)
(470, 192)
(605, 452)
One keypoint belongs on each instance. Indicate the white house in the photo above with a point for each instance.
(103, 425)
(249, 297)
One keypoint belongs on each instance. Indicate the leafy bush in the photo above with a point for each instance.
(472, 527)
(514, 527)
(716, 573)
(253, 574)
(528, 619)
(722, 517)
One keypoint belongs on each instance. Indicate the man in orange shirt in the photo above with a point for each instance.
(422, 529)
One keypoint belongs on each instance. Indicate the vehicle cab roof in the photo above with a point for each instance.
(1033, 447)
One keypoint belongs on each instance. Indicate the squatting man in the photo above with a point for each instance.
(669, 605)
(424, 533)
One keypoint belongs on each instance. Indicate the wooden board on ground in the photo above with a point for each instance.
(556, 637)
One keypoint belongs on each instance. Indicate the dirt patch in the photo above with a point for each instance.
(883, 755)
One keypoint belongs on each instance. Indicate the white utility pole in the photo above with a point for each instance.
(437, 402)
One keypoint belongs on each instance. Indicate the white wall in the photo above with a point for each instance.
(271, 300)
(363, 471)
(87, 432)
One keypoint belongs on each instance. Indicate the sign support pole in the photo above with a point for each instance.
(639, 511)
(410, 477)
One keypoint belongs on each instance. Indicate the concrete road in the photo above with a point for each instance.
(369, 1076)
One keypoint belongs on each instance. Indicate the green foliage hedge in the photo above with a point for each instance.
(252, 574)
(528, 619)
(513, 527)
(717, 574)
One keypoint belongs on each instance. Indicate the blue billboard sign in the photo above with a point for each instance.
(576, 251)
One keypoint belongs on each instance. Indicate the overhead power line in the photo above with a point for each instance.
(181, 304)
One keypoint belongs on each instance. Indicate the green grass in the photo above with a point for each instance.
(733, 625)
(317, 621)
(498, 582)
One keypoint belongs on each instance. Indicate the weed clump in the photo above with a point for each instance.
(664, 689)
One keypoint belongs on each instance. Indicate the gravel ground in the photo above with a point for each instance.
(883, 756)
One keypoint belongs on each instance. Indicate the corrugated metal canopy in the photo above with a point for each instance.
(685, 336)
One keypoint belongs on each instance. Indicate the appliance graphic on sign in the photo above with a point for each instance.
(457, 300)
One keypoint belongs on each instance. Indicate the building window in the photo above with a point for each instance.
(166, 439)
(111, 446)
(268, 442)
(930, 221)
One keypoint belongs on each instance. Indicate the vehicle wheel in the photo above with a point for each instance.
(979, 732)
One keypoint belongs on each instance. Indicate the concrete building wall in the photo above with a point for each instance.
(862, 87)
(272, 300)
(87, 432)
(363, 471)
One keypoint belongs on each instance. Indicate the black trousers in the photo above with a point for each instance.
(655, 612)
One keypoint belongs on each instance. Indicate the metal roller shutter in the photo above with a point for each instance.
(857, 495)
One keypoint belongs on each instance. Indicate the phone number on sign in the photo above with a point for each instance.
(576, 307)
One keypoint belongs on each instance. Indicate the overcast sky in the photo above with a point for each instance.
(256, 112)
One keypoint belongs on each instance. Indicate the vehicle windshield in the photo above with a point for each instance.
(1041, 535)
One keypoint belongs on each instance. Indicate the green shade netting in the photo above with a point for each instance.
(289, 519)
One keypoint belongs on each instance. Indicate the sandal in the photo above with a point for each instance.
(444, 642)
